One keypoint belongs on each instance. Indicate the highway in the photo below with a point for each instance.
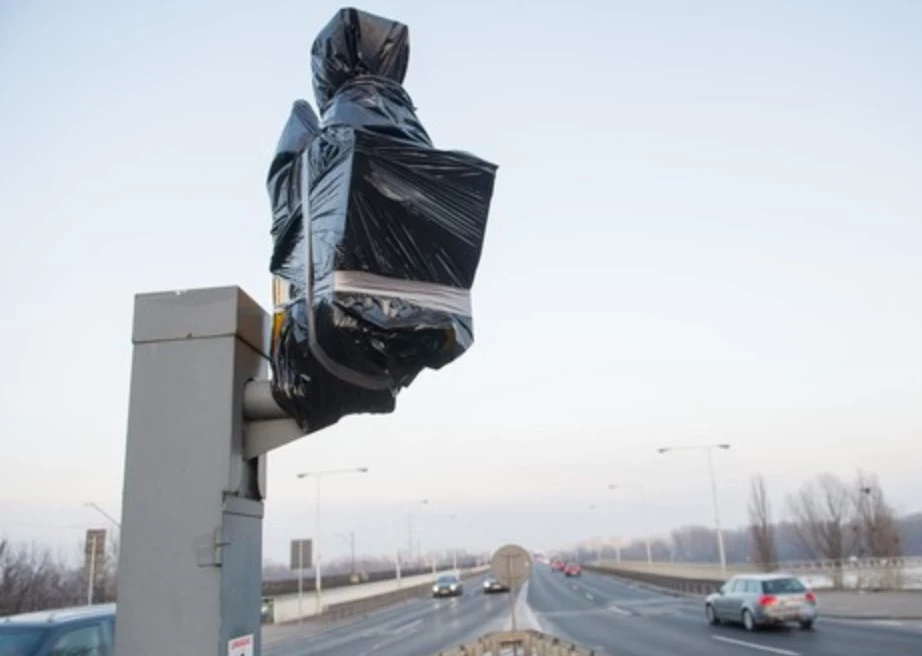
(614, 617)
(420, 627)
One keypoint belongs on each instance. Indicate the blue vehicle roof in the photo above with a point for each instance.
(58, 616)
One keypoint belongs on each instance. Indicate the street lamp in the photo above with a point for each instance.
(318, 587)
(646, 515)
(708, 448)
(90, 504)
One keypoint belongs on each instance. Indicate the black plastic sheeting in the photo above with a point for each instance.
(373, 286)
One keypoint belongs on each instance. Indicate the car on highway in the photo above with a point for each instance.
(757, 600)
(573, 569)
(448, 585)
(81, 630)
(492, 584)
(557, 565)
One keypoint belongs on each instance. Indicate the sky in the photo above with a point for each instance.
(707, 227)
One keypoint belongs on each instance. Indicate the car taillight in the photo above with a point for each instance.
(811, 597)
(767, 600)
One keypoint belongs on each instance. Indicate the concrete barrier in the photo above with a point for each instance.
(675, 583)
(356, 599)
(853, 574)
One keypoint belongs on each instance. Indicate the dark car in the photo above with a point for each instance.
(492, 584)
(572, 569)
(88, 630)
(447, 585)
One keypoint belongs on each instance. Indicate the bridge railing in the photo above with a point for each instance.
(903, 573)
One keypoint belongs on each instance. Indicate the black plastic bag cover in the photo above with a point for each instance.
(374, 285)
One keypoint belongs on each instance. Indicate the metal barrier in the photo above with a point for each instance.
(374, 602)
(290, 586)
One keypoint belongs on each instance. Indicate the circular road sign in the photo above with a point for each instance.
(511, 564)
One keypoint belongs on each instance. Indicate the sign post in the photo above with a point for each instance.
(302, 555)
(511, 565)
(94, 551)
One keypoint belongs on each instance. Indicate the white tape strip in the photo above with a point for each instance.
(424, 294)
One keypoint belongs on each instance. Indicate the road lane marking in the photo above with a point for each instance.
(589, 597)
(752, 645)
(406, 627)
(619, 611)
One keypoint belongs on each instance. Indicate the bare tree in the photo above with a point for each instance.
(760, 524)
(875, 523)
(821, 510)
(30, 579)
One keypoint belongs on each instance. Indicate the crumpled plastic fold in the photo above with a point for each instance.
(377, 235)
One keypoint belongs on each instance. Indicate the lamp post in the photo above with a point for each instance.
(708, 448)
(318, 586)
(90, 504)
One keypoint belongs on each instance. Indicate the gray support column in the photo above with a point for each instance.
(190, 567)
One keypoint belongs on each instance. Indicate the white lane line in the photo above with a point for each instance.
(529, 619)
(406, 627)
(619, 611)
(589, 597)
(887, 622)
(752, 645)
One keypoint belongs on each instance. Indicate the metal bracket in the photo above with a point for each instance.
(266, 426)
(209, 550)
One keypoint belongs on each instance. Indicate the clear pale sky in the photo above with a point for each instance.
(707, 227)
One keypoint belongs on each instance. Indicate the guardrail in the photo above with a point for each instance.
(331, 581)
(363, 598)
(367, 604)
(850, 574)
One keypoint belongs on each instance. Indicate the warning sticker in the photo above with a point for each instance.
(242, 646)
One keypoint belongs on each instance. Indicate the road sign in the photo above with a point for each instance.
(94, 549)
(511, 564)
(242, 646)
(302, 553)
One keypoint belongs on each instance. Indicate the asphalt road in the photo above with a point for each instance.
(616, 618)
(621, 619)
(419, 627)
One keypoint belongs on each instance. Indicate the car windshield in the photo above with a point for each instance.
(447, 579)
(17, 641)
(783, 586)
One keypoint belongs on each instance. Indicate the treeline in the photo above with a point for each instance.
(33, 578)
(828, 518)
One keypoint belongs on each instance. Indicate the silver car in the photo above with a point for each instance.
(759, 599)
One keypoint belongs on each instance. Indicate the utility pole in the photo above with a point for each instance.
(352, 548)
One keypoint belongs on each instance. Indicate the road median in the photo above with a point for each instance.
(363, 599)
